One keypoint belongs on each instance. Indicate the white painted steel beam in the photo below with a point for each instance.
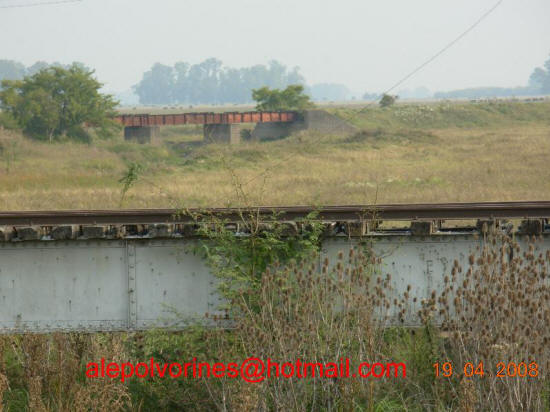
(133, 284)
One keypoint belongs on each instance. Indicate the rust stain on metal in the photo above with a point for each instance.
(144, 120)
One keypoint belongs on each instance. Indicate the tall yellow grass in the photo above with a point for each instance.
(393, 165)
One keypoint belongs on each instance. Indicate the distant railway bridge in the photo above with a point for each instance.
(227, 127)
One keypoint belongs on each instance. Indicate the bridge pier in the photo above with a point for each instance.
(315, 120)
(273, 130)
(223, 133)
(141, 134)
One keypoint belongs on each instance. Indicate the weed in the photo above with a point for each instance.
(496, 313)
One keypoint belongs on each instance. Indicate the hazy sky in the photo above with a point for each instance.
(366, 44)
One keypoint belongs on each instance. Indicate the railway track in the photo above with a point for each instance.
(352, 213)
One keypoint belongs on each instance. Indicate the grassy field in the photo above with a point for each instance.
(407, 153)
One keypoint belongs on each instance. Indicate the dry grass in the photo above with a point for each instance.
(497, 160)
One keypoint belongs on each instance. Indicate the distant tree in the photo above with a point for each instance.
(371, 96)
(11, 70)
(205, 78)
(210, 82)
(486, 92)
(291, 98)
(329, 91)
(157, 85)
(36, 67)
(387, 100)
(57, 102)
(540, 78)
(417, 93)
(182, 87)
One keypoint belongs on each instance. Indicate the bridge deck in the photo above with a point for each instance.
(145, 120)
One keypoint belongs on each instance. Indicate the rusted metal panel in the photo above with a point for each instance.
(204, 118)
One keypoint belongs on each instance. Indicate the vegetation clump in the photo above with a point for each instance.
(540, 78)
(495, 313)
(59, 102)
(291, 98)
(387, 100)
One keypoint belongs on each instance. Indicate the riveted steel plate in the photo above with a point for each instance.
(63, 286)
(107, 285)
(173, 284)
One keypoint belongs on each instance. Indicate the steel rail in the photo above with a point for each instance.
(352, 213)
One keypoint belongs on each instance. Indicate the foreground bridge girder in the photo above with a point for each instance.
(115, 270)
(135, 284)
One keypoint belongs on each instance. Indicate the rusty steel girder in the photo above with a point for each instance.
(145, 120)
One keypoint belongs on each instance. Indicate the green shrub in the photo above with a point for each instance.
(57, 102)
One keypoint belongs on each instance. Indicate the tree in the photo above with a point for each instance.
(371, 96)
(540, 78)
(291, 98)
(157, 85)
(57, 102)
(330, 91)
(211, 82)
(387, 100)
(182, 86)
(36, 67)
(205, 78)
(11, 70)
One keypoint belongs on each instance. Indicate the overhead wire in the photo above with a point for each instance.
(412, 73)
(447, 47)
(409, 75)
(416, 70)
(46, 3)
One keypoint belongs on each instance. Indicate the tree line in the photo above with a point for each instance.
(539, 83)
(13, 70)
(540, 78)
(209, 82)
